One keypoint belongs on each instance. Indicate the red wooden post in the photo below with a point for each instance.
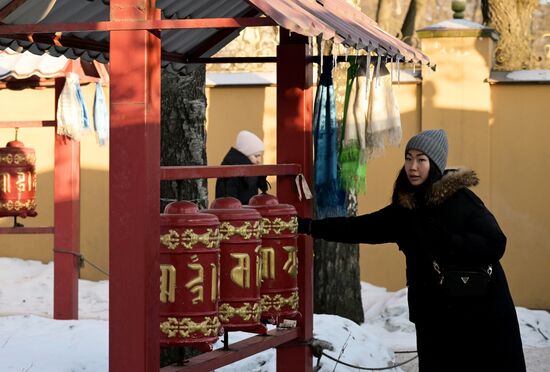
(134, 192)
(66, 222)
(294, 145)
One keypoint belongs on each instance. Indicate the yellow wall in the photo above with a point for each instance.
(520, 180)
(232, 109)
(38, 104)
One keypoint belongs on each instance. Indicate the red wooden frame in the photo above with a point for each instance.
(66, 222)
(135, 187)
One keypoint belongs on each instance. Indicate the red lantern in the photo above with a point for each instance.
(240, 275)
(189, 277)
(17, 180)
(279, 289)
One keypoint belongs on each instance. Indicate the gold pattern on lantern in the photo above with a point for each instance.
(18, 159)
(277, 225)
(268, 263)
(184, 327)
(167, 283)
(291, 264)
(215, 283)
(6, 182)
(246, 230)
(278, 301)
(18, 205)
(246, 312)
(240, 274)
(187, 239)
(195, 285)
(258, 266)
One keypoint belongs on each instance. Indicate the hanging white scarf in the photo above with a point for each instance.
(383, 117)
(71, 111)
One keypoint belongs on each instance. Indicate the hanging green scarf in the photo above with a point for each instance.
(352, 157)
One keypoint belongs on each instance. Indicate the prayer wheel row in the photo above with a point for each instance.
(227, 268)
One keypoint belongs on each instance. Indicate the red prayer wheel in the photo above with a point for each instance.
(279, 290)
(189, 277)
(240, 275)
(17, 180)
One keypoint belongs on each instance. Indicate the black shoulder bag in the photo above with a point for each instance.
(461, 281)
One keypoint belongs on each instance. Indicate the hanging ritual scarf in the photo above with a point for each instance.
(383, 119)
(70, 113)
(329, 197)
(352, 158)
(101, 117)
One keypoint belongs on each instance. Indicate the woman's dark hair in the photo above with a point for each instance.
(403, 186)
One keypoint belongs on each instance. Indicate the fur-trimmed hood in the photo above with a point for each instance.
(452, 181)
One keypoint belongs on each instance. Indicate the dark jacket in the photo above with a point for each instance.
(242, 188)
(453, 227)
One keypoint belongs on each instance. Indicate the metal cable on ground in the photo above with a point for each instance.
(368, 368)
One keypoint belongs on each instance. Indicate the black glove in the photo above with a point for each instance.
(304, 226)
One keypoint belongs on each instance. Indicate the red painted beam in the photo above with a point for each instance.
(294, 125)
(66, 221)
(220, 171)
(27, 124)
(237, 351)
(134, 192)
(27, 230)
(129, 25)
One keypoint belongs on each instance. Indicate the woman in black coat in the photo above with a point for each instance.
(248, 150)
(436, 218)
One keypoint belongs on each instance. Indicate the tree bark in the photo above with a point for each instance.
(183, 134)
(415, 15)
(336, 278)
(512, 19)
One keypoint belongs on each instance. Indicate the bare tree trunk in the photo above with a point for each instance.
(415, 14)
(336, 277)
(512, 19)
(383, 14)
(183, 142)
(183, 134)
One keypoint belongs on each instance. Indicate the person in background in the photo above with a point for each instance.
(438, 222)
(248, 149)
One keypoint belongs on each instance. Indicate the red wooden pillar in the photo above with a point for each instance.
(294, 145)
(134, 191)
(66, 222)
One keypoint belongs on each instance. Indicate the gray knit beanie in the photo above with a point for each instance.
(434, 144)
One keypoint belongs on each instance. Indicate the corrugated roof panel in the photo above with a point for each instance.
(333, 19)
(25, 65)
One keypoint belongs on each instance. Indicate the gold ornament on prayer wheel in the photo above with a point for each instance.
(17, 180)
(279, 290)
(240, 275)
(189, 277)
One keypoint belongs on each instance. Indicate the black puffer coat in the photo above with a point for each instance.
(453, 333)
(242, 188)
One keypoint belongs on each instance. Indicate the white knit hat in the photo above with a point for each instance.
(248, 143)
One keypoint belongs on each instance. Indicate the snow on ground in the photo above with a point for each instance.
(31, 341)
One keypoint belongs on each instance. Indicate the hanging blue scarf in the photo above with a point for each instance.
(330, 199)
(101, 116)
(80, 98)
